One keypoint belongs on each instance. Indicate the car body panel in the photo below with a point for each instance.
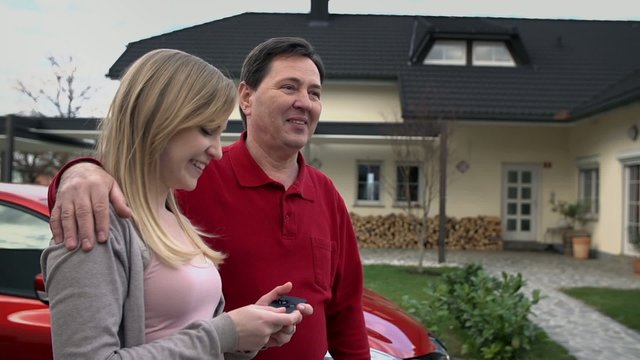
(24, 320)
(392, 330)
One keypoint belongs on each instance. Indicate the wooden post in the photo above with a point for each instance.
(442, 229)
(7, 161)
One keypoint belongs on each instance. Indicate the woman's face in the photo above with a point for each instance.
(186, 155)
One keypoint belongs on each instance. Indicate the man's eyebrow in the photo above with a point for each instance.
(290, 79)
(299, 81)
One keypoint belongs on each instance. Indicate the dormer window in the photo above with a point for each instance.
(447, 52)
(491, 53)
(469, 52)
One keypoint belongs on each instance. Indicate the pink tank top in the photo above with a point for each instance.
(175, 297)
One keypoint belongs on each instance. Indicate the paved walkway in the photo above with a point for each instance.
(584, 332)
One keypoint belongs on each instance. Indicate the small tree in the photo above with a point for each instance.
(414, 144)
(57, 97)
(30, 165)
(572, 213)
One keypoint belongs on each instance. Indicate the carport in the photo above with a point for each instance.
(40, 134)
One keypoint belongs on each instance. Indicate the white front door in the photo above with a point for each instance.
(519, 202)
(631, 205)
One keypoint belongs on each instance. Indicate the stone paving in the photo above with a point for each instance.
(584, 332)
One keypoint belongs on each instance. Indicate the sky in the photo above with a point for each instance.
(95, 32)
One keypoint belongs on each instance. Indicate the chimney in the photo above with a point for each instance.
(319, 15)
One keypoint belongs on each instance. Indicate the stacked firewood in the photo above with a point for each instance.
(400, 231)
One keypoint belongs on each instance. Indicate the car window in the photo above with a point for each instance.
(22, 229)
(23, 235)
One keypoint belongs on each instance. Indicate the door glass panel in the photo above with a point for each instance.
(634, 194)
(511, 225)
(512, 209)
(512, 193)
(526, 193)
(22, 230)
(525, 209)
(526, 177)
(23, 235)
(525, 225)
(512, 177)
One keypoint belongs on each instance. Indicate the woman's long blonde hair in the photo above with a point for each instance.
(162, 93)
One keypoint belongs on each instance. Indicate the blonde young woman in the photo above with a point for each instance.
(153, 290)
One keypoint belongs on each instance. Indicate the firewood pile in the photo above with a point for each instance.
(400, 231)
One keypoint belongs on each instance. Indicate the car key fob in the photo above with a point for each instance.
(288, 302)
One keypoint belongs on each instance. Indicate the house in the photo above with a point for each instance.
(536, 110)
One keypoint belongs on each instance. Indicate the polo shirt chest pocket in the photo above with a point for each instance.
(322, 253)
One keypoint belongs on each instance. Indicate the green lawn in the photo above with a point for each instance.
(396, 281)
(621, 305)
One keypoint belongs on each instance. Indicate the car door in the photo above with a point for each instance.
(24, 320)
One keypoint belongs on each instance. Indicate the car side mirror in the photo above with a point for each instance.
(41, 292)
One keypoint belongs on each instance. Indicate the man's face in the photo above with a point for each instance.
(283, 112)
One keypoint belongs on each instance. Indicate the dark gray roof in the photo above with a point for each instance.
(569, 66)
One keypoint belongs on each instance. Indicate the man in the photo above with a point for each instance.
(273, 215)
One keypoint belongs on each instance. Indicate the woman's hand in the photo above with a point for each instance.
(284, 335)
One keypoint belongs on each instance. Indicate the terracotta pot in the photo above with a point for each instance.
(636, 266)
(581, 246)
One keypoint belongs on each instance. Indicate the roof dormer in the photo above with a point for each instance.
(466, 42)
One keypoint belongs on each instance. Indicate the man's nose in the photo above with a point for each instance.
(302, 101)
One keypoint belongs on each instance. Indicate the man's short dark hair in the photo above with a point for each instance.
(258, 62)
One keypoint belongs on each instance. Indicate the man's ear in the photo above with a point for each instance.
(244, 94)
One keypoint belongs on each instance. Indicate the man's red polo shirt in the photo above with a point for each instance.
(271, 235)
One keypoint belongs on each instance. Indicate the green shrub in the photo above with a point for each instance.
(492, 313)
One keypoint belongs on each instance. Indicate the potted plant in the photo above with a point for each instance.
(575, 236)
(634, 240)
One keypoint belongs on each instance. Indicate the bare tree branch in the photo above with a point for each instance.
(59, 92)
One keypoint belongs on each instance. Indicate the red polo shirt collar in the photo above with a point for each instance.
(250, 174)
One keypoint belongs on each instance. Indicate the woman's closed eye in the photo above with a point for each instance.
(208, 131)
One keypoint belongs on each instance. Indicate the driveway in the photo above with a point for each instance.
(584, 332)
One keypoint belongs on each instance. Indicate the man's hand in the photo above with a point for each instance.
(81, 211)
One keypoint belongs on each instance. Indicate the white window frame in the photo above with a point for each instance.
(456, 52)
(418, 183)
(447, 49)
(628, 158)
(373, 183)
(589, 184)
(494, 48)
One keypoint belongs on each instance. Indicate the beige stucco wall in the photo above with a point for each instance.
(604, 139)
(370, 101)
(360, 101)
(486, 148)
(489, 147)
(556, 149)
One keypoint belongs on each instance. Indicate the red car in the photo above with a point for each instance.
(24, 313)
